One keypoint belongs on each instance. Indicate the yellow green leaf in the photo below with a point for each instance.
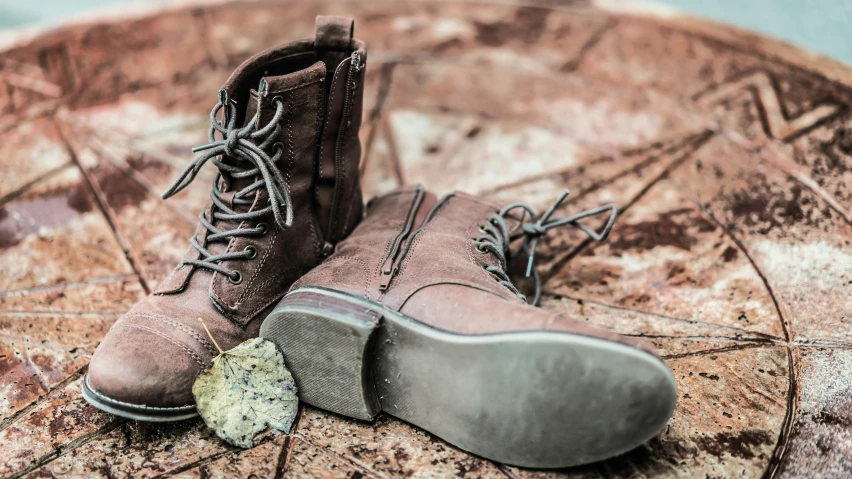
(246, 390)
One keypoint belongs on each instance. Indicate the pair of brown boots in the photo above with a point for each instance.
(409, 310)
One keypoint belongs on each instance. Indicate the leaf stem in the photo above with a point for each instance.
(211, 337)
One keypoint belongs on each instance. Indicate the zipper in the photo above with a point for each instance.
(354, 68)
(403, 241)
(390, 266)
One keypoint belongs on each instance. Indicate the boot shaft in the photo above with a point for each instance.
(321, 84)
(307, 97)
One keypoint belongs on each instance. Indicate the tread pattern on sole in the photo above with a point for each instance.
(325, 345)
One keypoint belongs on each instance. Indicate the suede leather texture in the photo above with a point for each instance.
(153, 353)
(442, 280)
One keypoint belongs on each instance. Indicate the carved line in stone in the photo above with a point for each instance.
(745, 335)
(46, 83)
(681, 154)
(767, 96)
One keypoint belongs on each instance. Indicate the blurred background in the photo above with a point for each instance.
(818, 25)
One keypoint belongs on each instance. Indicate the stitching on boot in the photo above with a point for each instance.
(296, 87)
(218, 281)
(266, 283)
(322, 125)
(313, 230)
(291, 145)
(207, 345)
(254, 275)
(260, 308)
(177, 343)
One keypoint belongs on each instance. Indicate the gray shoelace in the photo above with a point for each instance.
(248, 148)
(497, 237)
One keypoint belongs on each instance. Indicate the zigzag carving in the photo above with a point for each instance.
(775, 120)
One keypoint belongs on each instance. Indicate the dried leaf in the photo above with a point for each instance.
(246, 390)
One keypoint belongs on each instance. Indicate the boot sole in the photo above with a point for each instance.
(137, 412)
(538, 399)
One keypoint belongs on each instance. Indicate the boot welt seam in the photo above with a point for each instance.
(140, 406)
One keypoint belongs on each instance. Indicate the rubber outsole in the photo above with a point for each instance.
(137, 412)
(538, 399)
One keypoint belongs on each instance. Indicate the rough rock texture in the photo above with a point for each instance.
(730, 155)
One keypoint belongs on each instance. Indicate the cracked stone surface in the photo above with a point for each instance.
(729, 154)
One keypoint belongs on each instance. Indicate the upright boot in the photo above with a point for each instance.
(415, 315)
(284, 136)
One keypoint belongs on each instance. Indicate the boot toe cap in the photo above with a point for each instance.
(142, 371)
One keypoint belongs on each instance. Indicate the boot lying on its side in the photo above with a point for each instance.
(415, 315)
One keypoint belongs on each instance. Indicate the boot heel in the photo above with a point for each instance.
(326, 337)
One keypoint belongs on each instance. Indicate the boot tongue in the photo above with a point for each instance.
(259, 100)
(230, 186)
(236, 184)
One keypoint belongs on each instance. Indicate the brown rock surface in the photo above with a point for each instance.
(730, 155)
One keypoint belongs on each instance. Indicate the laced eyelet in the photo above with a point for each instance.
(277, 99)
(252, 250)
(480, 250)
(262, 229)
(236, 278)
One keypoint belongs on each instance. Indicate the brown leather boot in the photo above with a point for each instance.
(284, 136)
(415, 315)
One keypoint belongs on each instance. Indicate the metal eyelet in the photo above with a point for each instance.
(480, 250)
(482, 228)
(236, 278)
(252, 249)
(262, 228)
(277, 99)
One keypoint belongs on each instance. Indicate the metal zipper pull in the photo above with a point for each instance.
(356, 61)
(388, 271)
(391, 264)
